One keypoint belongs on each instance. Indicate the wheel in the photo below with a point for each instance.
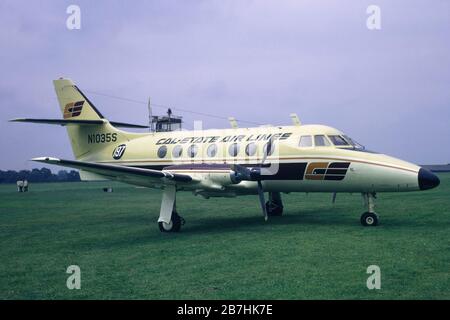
(273, 209)
(369, 219)
(174, 225)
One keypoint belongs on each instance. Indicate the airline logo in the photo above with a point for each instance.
(119, 151)
(73, 109)
(326, 170)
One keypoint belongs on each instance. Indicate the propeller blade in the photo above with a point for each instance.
(262, 200)
(334, 197)
(267, 151)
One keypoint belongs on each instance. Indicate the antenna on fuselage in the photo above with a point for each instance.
(295, 119)
(150, 116)
(233, 122)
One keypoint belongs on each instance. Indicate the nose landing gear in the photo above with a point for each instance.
(369, 218)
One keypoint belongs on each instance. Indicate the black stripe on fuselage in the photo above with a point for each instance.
(200, 166)
(286, 171)
(339, 165)
(337, 171)
(334, 177)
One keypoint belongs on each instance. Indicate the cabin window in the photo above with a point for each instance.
(305, 141)
(192, 150)
(321, 141)
(269, 148)
(233, 150)
(338, 140)
(250, 149)
(177, 151)
(162, 151)
(212, 150)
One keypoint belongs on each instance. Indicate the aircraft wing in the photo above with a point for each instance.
(131, 175)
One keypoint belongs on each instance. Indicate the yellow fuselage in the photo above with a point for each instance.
(292, 168)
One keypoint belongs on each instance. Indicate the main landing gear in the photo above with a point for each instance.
(174, 225)
(169, 220)
(274, 206)
(369, 218)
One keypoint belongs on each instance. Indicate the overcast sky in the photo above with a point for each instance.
(254, 60)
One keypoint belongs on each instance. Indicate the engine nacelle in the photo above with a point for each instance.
(209, 176)
(220, 178)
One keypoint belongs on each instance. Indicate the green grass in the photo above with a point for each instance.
(225, 251)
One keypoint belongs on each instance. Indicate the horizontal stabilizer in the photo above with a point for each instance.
(127, 125)
(65, 122)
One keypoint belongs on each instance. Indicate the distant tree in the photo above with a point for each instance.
(23, 175)
(73, 176)
(47, 175)
(9, 176)
(62, 175)
(35, 175)
(38, 175)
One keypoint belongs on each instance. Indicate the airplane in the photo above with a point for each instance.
(228, 162)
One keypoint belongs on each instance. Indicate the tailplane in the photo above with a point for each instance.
(92, 137)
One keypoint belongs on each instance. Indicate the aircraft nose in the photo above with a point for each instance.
(427, 179)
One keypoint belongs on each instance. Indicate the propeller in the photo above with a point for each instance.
(241, 173)
(262, 200)
(334, 198)
(268, 150)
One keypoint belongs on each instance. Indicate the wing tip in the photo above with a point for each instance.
(46, 159)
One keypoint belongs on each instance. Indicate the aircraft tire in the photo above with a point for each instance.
(369, 219)
(274, 210)
(175, 223)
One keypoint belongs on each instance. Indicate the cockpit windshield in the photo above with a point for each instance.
(354, 143)
(338, 140)
(345, 142)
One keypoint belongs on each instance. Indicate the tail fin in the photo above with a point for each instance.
(93, 138)
(73, 103)
(95, 141)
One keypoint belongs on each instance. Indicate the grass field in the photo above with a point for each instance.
(225, 250)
